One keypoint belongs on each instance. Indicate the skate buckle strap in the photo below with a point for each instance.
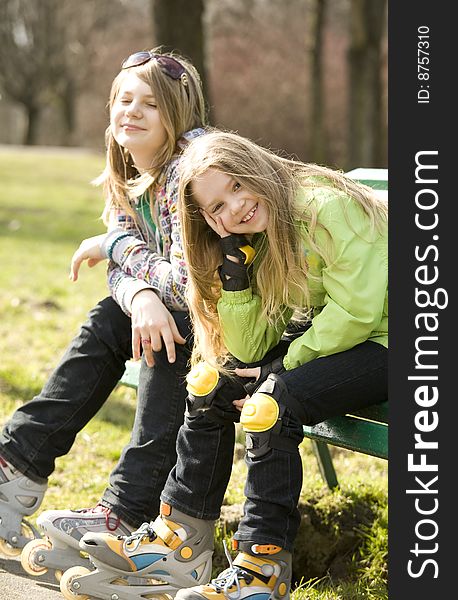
(265, 549)
(167, 535)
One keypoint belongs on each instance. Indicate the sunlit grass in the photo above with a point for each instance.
(47, 206)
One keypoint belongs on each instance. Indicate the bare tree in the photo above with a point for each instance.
(178, 25)
(74, 49)
(47, 49)
(367, 21)
(24, 42)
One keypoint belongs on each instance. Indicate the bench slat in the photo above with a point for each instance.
(130, 376)
(353, 434)
(377, 412)
(374, 178)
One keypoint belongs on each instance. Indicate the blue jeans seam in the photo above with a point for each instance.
(171, 426)
(210, 480)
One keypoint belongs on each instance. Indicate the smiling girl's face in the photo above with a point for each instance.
(135, 121)
(226, 200)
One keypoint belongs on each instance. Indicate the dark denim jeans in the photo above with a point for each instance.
(45, 428)
(325, 387)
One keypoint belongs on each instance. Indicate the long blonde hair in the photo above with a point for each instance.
(280, 267)
(181, 108)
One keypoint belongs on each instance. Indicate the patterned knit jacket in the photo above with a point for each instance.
(149, 255)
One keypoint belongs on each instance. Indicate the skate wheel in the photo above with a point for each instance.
(7, 549)
(66, 583)
(28, 557)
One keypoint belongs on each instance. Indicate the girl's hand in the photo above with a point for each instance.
(89, 250)
(253, 372)
(215, 223)
(152, 325)
(239, 403)
(250, 372)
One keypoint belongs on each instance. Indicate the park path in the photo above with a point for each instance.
(15, 584)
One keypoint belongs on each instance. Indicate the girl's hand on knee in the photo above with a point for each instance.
(152, 326)
(249, 372)
(89, 250)
(239, 403)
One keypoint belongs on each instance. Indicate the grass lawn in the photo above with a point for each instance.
(47, 206)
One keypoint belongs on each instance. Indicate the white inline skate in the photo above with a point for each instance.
(19, 497)
(63, 529)
(172, 552)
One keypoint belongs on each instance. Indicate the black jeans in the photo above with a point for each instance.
(325, 387)
(45, 428)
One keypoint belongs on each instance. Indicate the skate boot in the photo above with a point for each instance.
(63, 530)
(170, 553)
(261, 572)
(19, 497)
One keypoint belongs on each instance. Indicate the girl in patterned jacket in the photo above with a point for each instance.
(156, 107)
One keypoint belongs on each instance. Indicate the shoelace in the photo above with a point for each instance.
(99, 508)
(146, 529)
(231, 577)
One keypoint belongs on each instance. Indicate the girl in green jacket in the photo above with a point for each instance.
(269, 241)
(287, 268)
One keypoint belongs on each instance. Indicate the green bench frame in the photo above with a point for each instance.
(364, 431)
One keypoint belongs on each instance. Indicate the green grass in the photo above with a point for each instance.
(47, 206)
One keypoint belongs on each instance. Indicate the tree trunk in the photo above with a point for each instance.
(318, 140)
(31, 133)
(365, 123)
(68, 103)
(178, 25)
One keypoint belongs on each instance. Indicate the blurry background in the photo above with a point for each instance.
(305, 76)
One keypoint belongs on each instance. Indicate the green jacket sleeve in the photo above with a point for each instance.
(247, 335)
(355, 284)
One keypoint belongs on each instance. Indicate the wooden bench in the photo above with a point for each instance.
(364, 431)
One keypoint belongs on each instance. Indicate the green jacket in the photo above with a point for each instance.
(349, 298)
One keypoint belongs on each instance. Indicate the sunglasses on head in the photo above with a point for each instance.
(169, 65)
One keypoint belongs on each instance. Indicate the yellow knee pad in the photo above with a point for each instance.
(259, 413)
(202, 385)
(202, 379)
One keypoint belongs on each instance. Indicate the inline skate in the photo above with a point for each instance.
(19, 497)
(258, 571)
(63, 529)
(158, 559)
